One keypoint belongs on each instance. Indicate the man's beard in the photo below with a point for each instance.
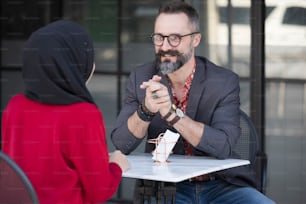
(167, 67)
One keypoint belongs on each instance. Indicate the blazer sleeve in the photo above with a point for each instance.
(222, 129)
(121, 137)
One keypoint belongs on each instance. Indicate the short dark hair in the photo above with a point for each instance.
(175, 7)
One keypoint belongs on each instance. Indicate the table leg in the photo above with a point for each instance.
(159, 195)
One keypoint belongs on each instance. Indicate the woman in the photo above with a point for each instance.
(54, 130)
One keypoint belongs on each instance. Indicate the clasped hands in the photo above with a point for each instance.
(157, 96)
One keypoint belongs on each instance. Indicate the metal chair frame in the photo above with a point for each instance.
(8, 191)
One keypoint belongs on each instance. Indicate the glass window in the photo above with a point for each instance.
(295, 16)
(239, 15)
(137, 25)
(230, 36)
(100, 18)
(285, 101)
(18, 20)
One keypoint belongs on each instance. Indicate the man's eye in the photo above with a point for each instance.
(159, 37)
(174, 37)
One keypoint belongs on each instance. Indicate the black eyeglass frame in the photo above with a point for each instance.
(167, 36)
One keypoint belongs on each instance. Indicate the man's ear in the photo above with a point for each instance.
(196, 39)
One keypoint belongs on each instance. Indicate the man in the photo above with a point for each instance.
(205, 111)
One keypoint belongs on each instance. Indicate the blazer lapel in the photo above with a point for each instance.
(197, 88)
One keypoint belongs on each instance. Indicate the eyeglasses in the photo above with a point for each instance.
(173, 39)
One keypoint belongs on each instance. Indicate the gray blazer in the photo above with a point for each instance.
(213, 100)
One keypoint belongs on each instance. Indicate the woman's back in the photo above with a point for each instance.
(62, 149)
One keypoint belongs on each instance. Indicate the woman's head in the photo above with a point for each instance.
(58, 59)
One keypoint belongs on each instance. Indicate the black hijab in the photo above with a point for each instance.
(57, 61)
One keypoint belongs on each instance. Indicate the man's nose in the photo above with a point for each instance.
(166, 45)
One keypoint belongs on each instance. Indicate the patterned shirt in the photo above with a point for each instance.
(182, 104)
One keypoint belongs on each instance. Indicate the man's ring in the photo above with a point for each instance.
(154, 95)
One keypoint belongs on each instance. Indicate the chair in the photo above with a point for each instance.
(247, 145)
(15, 187)
(247, 148)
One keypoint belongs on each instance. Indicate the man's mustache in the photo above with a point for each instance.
(168, 52)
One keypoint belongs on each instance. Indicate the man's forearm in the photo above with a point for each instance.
(191, 130)
(137, 126)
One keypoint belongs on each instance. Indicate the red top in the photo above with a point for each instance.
(62, 149)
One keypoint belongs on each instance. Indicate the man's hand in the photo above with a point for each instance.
(157, 96)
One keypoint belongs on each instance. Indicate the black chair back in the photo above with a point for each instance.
(247, 146)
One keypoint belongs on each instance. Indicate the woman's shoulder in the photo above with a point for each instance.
(16, 100)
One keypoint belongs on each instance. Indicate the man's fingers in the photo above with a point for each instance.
(156, 78)
(151, 83)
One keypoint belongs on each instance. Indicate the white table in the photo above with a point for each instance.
(178, 167)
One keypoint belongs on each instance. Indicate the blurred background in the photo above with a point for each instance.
(121, 31)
